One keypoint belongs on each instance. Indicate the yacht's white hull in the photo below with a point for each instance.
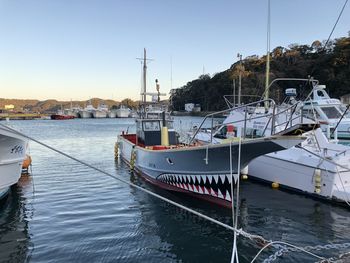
(12, 154)
(122, 113)
(99, 114)
(295, 169)
(85, 114)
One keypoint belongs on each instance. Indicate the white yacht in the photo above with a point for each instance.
(101, 111)
(328, 111)
(318, 167)
(87, 111)
(123, 112)
(12, 154)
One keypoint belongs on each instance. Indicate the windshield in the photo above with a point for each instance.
(331, 112)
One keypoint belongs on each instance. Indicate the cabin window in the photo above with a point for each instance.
(151, 126)
(331, 112)
(320, 93)
(170, 125)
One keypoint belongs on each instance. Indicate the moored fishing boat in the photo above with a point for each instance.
(112, 113)
(204, 171)
(12, 154)
(87, 111)
(61, 117)
(101, 111)
(123, 112)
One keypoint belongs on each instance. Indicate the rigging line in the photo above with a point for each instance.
(234, 246)
(330, 35)
(238, 231)
(341, 12)
(126, 182)
(323, 158)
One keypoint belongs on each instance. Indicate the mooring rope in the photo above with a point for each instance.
(122, 180)
(256, 238)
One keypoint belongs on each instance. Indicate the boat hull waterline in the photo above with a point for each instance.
(202, 171)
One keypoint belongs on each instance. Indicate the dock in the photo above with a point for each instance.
(22, 116)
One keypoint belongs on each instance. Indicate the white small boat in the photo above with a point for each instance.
(123, 112)
(101, 111)
(87, 111)
(112, 114)
(12, 155)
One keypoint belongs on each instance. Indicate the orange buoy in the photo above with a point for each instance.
(27, 162)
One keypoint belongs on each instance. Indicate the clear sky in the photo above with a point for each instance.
(78, 49)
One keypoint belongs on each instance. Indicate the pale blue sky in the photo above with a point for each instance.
(77, 49)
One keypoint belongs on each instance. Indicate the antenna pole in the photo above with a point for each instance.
(267, 78)
(144, 75)
(240, 79)
(234, 92)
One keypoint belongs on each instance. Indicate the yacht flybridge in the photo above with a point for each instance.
(204, 171)
(330, 112)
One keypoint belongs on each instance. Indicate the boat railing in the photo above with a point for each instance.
(293, 115)
(245, 109)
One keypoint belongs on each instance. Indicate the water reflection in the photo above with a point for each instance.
(274, 214)
(14, 218)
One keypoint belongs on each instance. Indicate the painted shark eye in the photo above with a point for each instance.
(169, 161)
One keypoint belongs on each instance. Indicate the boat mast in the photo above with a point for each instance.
(240, 79)
(144, 75)
(267, 77)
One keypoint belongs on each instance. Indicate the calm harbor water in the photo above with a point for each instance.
(66, 212)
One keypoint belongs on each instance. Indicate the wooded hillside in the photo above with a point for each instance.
(326, 62)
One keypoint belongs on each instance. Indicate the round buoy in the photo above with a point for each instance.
(244, 171)
(244, 177)
(275, 185)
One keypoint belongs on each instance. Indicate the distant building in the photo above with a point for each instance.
(345, 99)
(9, 107)
(191, 107)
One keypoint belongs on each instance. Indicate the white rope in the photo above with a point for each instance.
(235, 230)
(124, 181)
